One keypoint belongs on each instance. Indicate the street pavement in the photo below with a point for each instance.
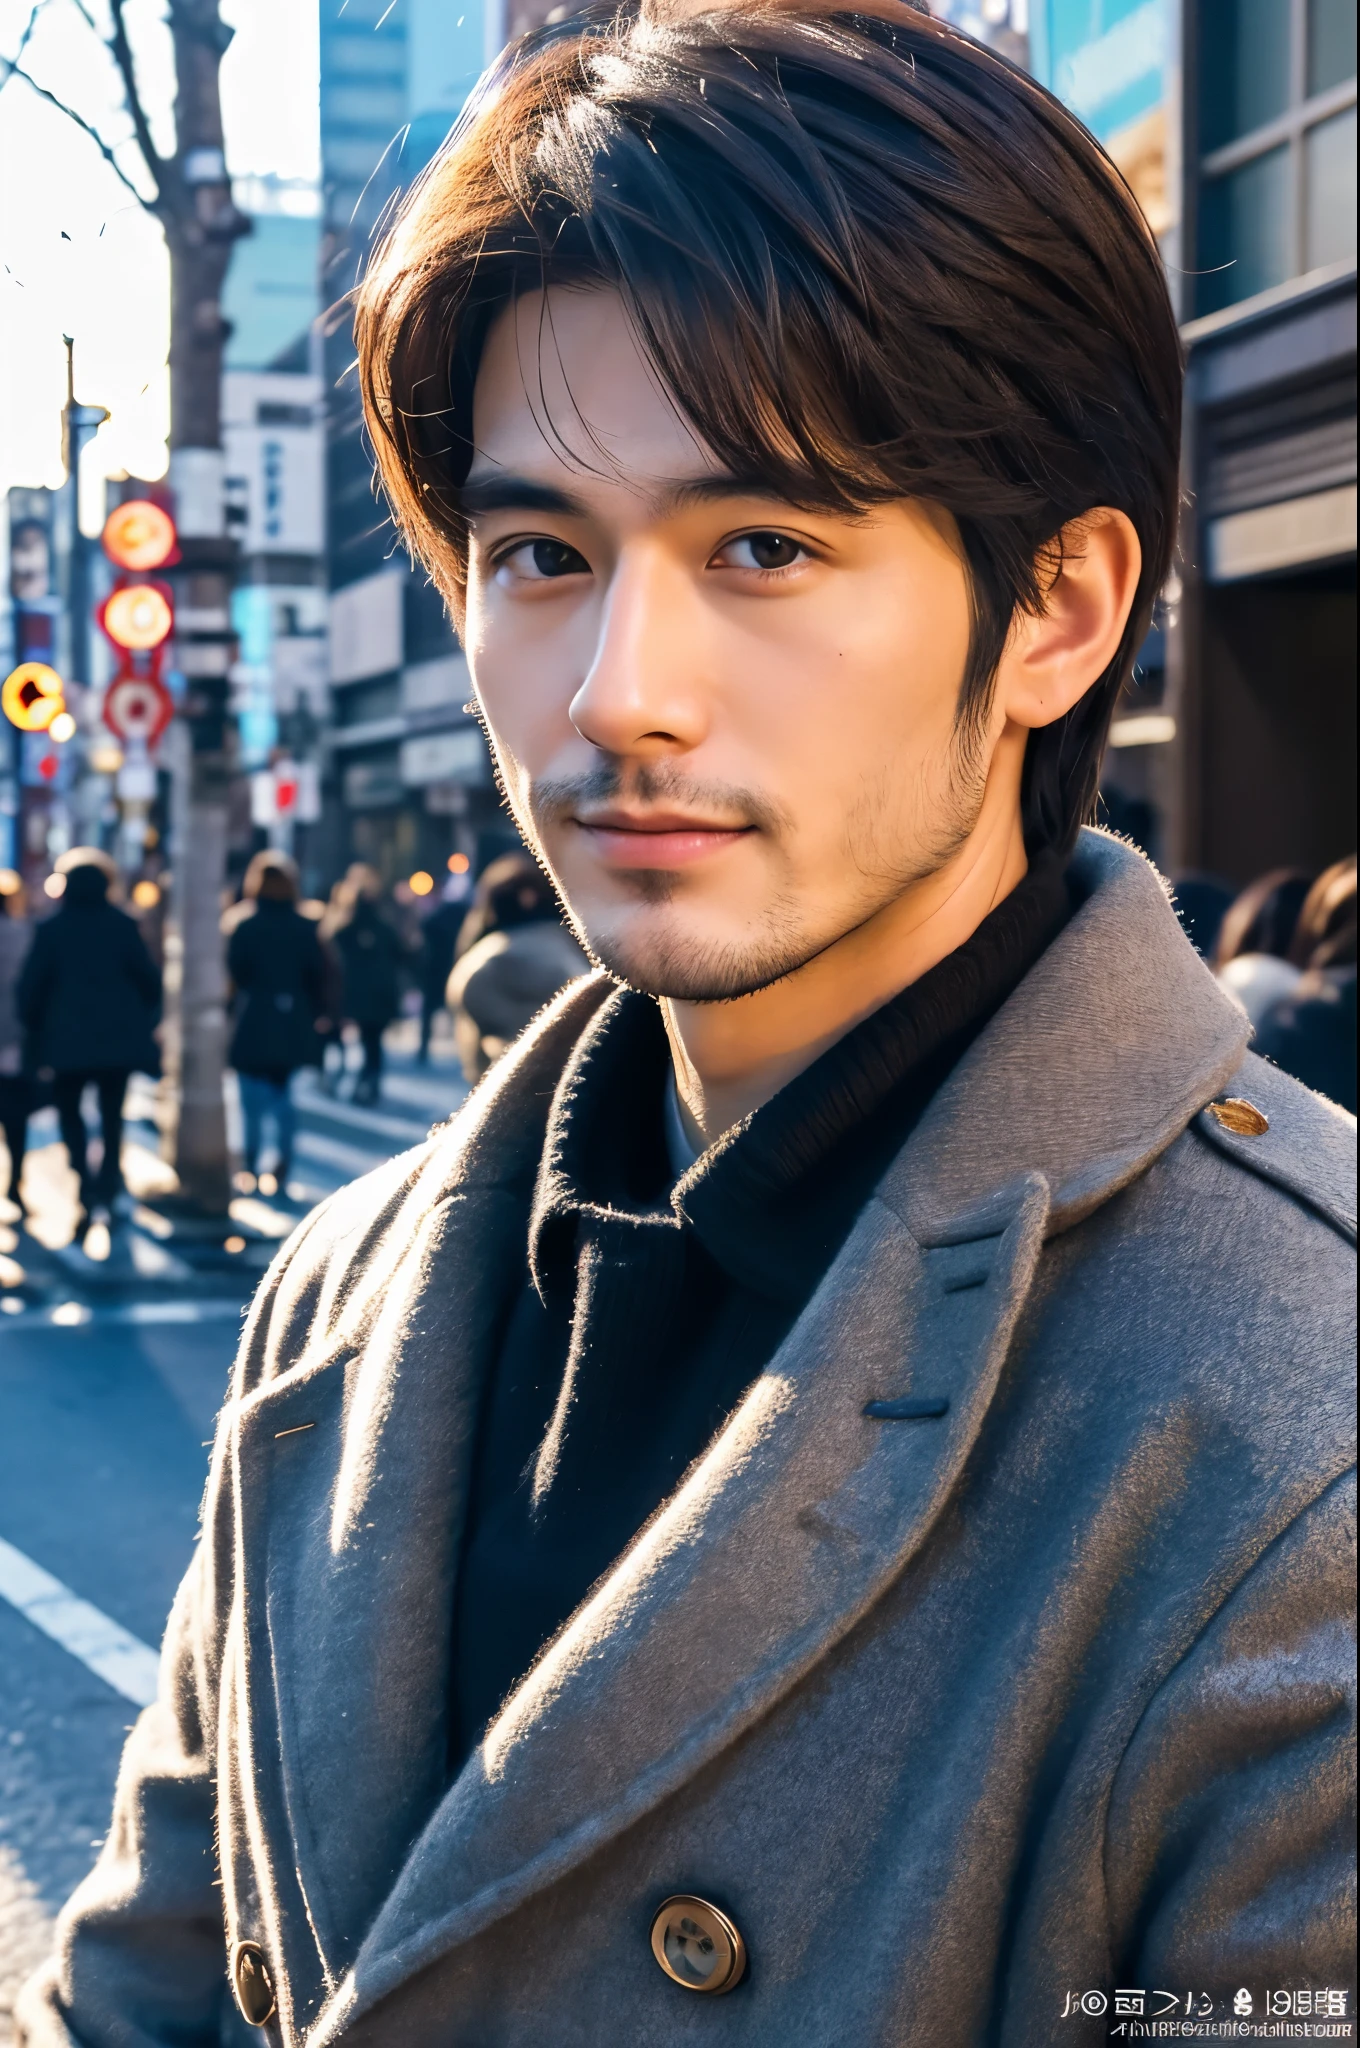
(113, 1363)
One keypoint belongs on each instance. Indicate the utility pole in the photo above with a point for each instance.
(190, 196)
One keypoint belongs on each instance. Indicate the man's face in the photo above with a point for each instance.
(727, 724)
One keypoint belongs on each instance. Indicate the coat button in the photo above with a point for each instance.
(697, 1945)
(252, 1983)
(1243, 1118)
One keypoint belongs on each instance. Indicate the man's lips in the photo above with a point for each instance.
(656, 839)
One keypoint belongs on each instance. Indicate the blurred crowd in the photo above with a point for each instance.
(80, 992)
(1285, 949)
(309, 984)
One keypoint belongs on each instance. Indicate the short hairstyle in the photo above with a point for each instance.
(869, 259)
(273, 875)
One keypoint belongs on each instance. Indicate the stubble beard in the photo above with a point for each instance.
(665, 957)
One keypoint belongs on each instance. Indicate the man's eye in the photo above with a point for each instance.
(763, 551)
(534, 561)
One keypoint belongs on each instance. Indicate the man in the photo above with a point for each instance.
(816, 1511)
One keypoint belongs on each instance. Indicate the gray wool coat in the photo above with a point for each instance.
(958, 1718)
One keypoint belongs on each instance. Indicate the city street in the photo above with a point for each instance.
(112, 1369)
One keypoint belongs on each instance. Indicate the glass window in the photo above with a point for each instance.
(1329, 155)
(1244, 231)
(1244, 67)
(1331, 43)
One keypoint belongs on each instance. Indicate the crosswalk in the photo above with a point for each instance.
(337, 1141)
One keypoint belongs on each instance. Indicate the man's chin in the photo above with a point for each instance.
(689, 968)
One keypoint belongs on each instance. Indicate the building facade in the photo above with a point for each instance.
(407, 779)
(274, 444)
(1263, 645)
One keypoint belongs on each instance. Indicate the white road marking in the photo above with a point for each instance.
(330, 1152)
(78, 1315)
(405, 1130)
(122, 1660)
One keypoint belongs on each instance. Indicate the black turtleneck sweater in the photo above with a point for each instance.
(650, 1304)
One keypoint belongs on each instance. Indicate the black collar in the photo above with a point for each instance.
(772, 1200)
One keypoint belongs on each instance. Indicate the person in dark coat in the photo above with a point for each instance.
(16, 1089)
(278, 974)
(371, 954)
(438, 949)
(89, 999)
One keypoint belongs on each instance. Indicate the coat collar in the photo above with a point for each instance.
(1114, 1040)
(790, 1527)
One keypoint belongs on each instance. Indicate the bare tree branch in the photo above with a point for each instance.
(122, 56)
(16, 71)
(29, 26)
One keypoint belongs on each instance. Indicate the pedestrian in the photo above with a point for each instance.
(89, 1000)
(1251, 956)
(831, 1480)
(1309, 1029)
(371, 958)
(515, 953)
(278, 979)
(16, 1087)
(438, 946)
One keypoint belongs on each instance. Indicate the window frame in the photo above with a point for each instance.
(1289, 129)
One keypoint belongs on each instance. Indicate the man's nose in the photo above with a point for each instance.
(644, 693)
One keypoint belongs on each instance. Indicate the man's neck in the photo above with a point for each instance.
(732, 1057)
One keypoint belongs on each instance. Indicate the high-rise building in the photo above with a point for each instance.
(408, 780)
(273, 434)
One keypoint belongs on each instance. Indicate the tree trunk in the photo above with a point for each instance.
(201, 227)
(198, 1038)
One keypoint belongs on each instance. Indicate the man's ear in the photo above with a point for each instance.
(1089, 576)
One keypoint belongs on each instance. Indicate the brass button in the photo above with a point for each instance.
(697, 1945)
(1243, 1118)
(252, 1983)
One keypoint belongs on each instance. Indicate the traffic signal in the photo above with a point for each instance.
(32, 696)
(140, 536)
(138, 616)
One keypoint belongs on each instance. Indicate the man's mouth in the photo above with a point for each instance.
(623, 838)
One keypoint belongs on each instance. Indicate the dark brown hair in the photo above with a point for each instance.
(271, 875)
(869, 259)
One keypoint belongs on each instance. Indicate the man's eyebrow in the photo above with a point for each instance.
(712, 489)
(506, 492)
